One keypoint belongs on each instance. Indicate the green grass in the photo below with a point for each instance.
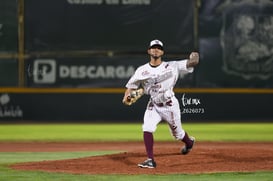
(70, 132)
(121, 132)
(132, 132)
(232, 131)
(8, 174)
(16, 157)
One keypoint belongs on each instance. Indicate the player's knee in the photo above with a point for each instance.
(148, 129)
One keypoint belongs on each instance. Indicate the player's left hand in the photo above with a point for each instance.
(133, 96)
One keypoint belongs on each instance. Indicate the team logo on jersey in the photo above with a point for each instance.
(247, 41)
(145, 73)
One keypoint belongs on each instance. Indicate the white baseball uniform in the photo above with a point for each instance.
(158, 82)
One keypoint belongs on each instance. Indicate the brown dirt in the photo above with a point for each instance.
(206, 157)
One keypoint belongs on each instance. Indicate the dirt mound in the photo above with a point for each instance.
(206, 157)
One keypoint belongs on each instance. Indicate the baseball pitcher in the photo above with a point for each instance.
(157, 78)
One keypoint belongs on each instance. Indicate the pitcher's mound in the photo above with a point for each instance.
(206, 157)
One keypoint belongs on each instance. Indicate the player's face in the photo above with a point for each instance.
(155, 51)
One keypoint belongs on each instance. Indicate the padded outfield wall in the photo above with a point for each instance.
(100, 105)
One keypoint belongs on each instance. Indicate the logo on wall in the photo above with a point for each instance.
(44, 71)
(8, 110)
(247, 41)
(48, 71)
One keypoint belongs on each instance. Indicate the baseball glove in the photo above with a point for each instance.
(133, 96)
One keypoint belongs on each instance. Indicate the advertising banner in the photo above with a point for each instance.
(112, 25)
(8, 26)
(236, 40)
(97, 72)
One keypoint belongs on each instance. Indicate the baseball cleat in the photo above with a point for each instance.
(149, 163)
(186, 149)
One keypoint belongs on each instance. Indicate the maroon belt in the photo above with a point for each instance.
(168, 103)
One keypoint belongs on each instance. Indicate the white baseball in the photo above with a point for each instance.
(192, 55)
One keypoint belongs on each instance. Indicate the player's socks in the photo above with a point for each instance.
(187, 140)
(149, 143)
